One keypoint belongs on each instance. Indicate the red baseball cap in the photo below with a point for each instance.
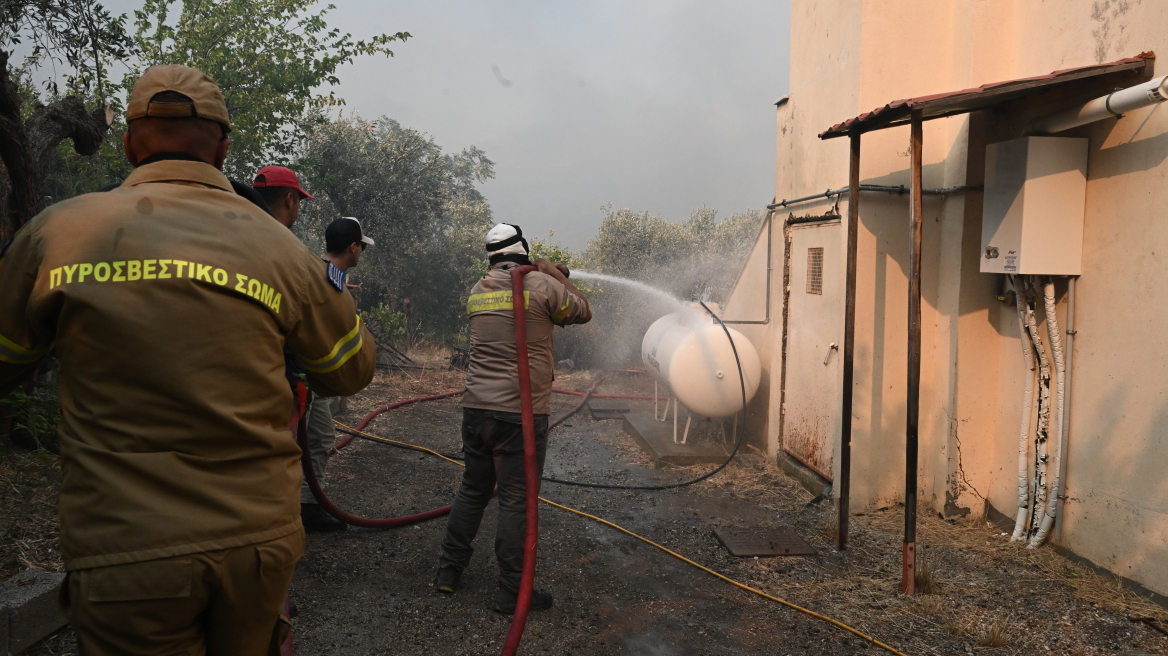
(279, 176)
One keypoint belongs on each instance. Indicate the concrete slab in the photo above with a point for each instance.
(607, 408)
(656, 438)
(30, 601)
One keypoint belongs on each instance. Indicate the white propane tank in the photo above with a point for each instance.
(689, 353)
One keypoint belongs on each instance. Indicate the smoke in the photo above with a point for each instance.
(664, 266)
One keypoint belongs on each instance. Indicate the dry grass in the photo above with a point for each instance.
(29, 529)
(996, 635)
(830, 529)
(925, 577)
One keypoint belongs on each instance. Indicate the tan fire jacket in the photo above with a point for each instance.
(169, 301)
(492, 379)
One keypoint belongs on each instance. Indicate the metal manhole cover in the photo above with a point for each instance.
(763, 542)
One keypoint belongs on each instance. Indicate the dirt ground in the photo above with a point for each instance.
(367, 591)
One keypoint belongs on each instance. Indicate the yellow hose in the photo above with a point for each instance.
(680, 557)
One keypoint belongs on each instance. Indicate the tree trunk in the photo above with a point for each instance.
(27, 146)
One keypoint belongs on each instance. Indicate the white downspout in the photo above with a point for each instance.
(1042, 431)
(1027, 410)
(1056, 349)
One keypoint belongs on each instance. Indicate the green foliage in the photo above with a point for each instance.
(80, 35)
(268, 56)
(419, 204)
(34, 417)
(697, 259)
(80, 40)
(71, 174)
(555, 254)
(385, 324)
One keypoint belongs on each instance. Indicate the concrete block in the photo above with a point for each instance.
(608, 409)
(30, 602)
(809, 479)
(656, 438)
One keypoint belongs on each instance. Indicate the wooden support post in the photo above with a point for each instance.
(845, 476)
(913, 403)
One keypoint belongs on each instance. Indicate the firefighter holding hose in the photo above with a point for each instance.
(169, 301)
(492, 435)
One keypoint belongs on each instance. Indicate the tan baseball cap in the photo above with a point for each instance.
(206, 99)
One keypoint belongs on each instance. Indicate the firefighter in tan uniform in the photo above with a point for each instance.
(169, 301)
(492, 433)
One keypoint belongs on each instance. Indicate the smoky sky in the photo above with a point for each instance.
(658, 105)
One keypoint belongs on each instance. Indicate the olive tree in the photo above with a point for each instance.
(270, 57)
(696, 259)
(81, 37)
(418, 203)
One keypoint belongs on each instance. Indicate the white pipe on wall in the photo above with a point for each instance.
(1065, 416)
(1056, 350)
(1027, 410)
(1113, 104)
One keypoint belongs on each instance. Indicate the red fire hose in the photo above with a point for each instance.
(530, 464)
(340, 444)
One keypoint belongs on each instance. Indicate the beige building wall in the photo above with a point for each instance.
(851, 57)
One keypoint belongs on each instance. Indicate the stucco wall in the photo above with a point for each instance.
(851, 57)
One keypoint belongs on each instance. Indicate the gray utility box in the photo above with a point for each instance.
(1032, 218)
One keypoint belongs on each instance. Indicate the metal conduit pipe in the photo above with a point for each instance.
(1113, 104)
(899, 190)
(1065, 413)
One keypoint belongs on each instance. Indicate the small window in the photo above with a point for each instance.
(815, 271)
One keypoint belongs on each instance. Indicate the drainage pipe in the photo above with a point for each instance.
(1060, 371)
(1065, 414)
(1027, 409)
(1113, 104)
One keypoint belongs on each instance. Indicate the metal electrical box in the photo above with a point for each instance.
(1032, 217)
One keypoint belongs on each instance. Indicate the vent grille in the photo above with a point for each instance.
(815, 270)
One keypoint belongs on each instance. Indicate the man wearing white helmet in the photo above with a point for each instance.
(492, 434)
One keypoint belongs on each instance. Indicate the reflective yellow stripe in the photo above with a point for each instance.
(14, 353)
(559, 316)
(346, 347)
(488, 301)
